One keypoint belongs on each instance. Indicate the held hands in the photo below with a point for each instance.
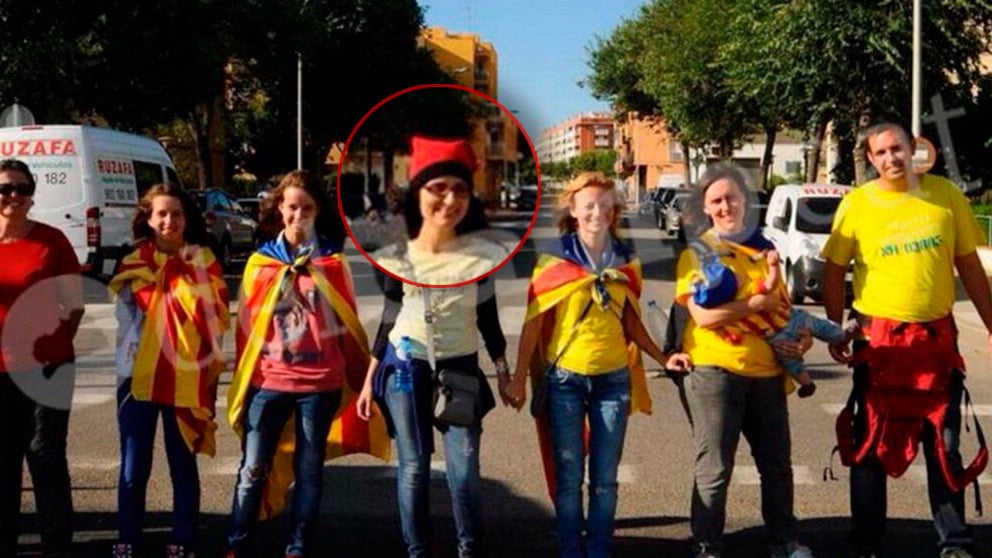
(514, 394)
(679, 362)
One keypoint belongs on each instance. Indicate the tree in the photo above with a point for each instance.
(597, 160)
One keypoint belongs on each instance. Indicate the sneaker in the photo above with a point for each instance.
(122, 550)
(177, 551)
(955, 553)
(792, 550)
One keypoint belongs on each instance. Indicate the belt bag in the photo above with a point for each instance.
(456, 400)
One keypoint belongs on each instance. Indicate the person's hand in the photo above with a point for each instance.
(679, 362)
(841, 352)
(364, 404)
(794, 349)
(772, 258)
(766, 303)
(503, 383)
(516, 391)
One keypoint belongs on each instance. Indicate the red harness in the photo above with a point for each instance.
(910, 367)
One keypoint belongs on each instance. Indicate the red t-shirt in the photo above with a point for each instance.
(302, 351)
(25, 263)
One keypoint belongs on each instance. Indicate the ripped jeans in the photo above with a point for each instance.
(461, 460)
(605, 400)
(266, 412)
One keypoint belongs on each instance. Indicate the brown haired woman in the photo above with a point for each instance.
(301, 355)
(32, 252)
(171, 313)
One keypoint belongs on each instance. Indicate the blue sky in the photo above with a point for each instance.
(542, 49)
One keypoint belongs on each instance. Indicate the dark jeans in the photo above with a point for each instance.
(868, 481)
(266, 413)
(38, 433)
(724, 406)
(138, 421)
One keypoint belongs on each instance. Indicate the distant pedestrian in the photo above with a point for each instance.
(906, 234)
(171, 314)
(31, 253)
(583, 334)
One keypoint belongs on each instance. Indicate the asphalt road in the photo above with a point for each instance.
(359, 505)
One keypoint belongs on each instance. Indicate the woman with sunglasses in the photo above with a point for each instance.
(436, 328)
(32, 254)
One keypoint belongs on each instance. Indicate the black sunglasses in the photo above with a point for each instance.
(23, 189)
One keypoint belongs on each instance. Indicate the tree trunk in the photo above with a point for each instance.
(199, 127)
(813, 155)
(766, 158)
(687, 173)
(860, 160)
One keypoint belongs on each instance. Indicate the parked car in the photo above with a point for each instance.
(524, 196)
(672, 213)
(251, 207)
(232, 228)
(663, 198)
(798, 223)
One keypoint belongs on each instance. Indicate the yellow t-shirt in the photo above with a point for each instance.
(903, 245)
(598, 345)
(752, 356)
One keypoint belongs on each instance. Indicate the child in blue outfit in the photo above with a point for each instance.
(718, 285)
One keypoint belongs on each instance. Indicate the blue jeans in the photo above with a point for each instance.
(868, 481)
(266, 414)
(137, 421)
(605, 400)
(461, 458)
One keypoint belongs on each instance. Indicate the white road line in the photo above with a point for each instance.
(89, 399)
(748, 475)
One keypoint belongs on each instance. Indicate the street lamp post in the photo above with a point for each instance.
(917, 65)
(299, 111)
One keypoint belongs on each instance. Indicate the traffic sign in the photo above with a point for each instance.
(16, 115)
(925, 155)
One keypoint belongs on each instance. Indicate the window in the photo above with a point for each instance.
(172, 177)
(217, 200)
(786, 215)
(792, 167)
(816, 215)
(146, 175)
(674, 151)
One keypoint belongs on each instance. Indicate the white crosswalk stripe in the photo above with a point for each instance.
(748, 475)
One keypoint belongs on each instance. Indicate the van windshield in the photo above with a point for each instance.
(816, 214)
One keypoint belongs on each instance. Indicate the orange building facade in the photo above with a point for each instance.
(647, 156)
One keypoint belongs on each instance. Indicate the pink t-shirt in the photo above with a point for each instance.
(302, 351)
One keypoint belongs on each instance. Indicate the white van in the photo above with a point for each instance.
(89, 181)
(798, 223)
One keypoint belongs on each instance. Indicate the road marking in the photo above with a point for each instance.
(93, 463)
(88, 399)
(748, 475)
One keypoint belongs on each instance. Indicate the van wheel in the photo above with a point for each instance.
(792, 285)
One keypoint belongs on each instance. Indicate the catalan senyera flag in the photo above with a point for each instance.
(263, 277)
(554, 279)
(185, 304)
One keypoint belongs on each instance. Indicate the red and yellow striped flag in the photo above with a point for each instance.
(185, 304)
(349, 434)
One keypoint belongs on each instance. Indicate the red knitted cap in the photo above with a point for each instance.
(431, 157)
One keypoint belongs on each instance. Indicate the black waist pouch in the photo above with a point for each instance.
(456, 397)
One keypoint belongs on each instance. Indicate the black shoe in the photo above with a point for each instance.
(807, 390)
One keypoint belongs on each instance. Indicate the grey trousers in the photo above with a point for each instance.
(724, 406)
